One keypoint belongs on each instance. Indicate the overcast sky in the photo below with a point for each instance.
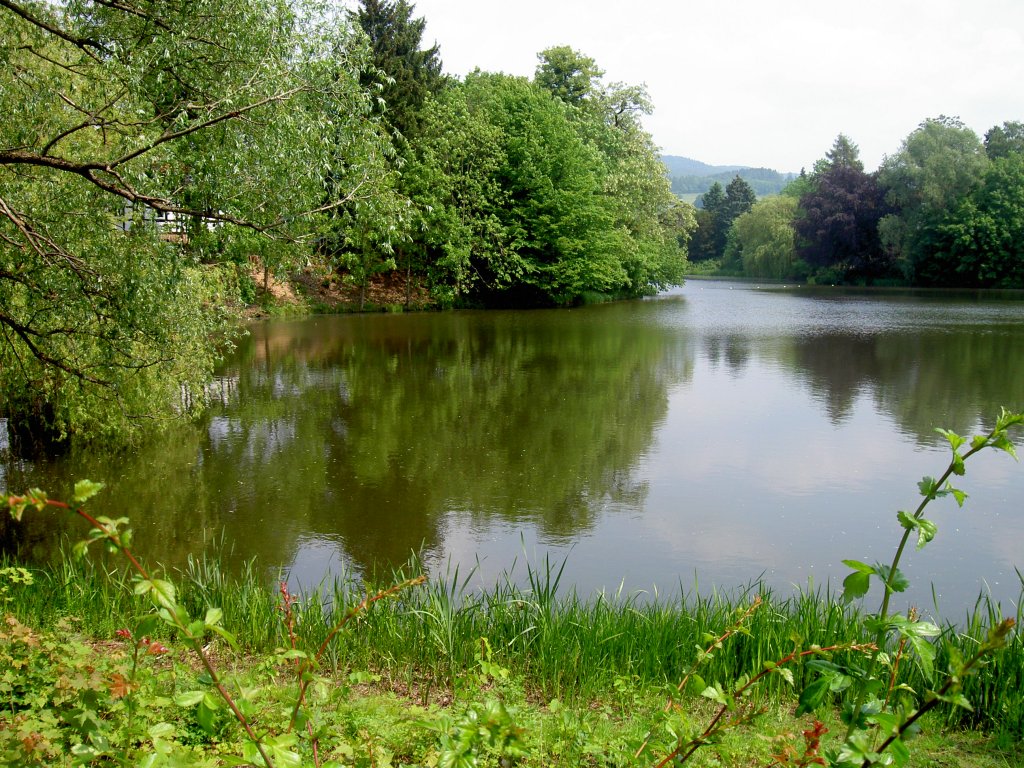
(765, 82)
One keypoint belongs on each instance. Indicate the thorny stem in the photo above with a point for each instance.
(912, 615)
(883, 611)
(999, 633)
(195, 642)
(694, 744)
(304, 678)
(693, 668)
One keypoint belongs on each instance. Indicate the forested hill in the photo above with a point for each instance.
(692, 177)
(685, 166)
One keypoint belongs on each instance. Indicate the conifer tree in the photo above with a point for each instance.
(406, 73)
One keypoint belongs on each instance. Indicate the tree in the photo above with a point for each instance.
(528, 199)
(937, 166)
(704, 244)
(837, 227)
(761, 240)
(117, 114)
(567, 74)
(719, 210)
(1005, 139)
(405, 75)
(739, 198)
(843, 154)
(980, 243)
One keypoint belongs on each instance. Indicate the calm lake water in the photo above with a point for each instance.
(714, 435)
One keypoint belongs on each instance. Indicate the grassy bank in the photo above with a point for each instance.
(561, 674)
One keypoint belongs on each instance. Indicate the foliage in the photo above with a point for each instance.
(567, 74)
(761, 240)
(980, 243)
(61, 699)
(405, 75)
(117, 113)
(837, 226)
(718, 209)
(212, 698)
(936, 166)
(527, 199)
(843, 154)
(880, 716)
(1003, 140)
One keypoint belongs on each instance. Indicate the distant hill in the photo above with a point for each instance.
(692, 177)
(685, 166)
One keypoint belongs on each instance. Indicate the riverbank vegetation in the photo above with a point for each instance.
(470, 663)
(565, 680)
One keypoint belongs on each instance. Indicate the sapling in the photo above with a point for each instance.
(871, 714)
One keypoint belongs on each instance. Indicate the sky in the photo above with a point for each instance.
(765, 83)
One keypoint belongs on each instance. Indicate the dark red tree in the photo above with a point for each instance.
(838, 226)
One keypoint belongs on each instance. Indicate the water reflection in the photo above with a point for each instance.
(722, 431)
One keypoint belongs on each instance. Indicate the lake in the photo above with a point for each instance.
(717, 434)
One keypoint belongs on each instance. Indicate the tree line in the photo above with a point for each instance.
(945, 210)
(152, 151)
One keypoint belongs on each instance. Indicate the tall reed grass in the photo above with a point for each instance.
(561, 644)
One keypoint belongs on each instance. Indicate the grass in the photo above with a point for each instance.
(567, 647)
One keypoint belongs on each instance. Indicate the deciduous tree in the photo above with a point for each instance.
(1005, 139)
(837, 226)
(762, 240)
(938, 164)
(980, 243)
(211, 112)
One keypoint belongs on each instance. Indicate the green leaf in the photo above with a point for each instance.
(957, 700)
(926, 529)
(163, 594)
(894, 582)
(812, 696)
(715, 693)
(925, 655)
(856, 585)
(161, 730)
(85, 490)
(213, 616)
(857, 565)
(206, 717)
(928, 487)
(229, 638)
(1003, 443)
(955, 440)
(900, 753)
(189, 699)
(696, 685)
